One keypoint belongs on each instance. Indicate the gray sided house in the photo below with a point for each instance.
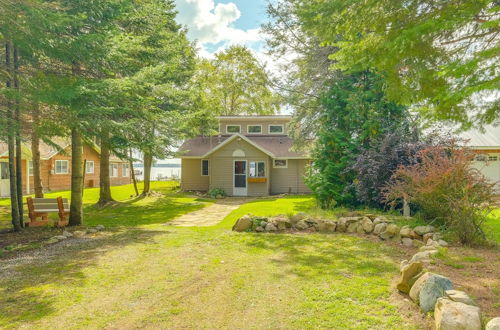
(252, 156)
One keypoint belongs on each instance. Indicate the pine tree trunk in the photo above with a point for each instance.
(104, 179)
(35, 152)
(132, 173)
(19, 153)
(76, 207)
(148, 162)
(11, 143)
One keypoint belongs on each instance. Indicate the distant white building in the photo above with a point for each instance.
(487, 145)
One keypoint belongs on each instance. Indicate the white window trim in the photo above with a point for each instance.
(111, 171)
(125, 170)
(202, 167)
(282, 129)
(257, 168)
(239, 127)
(248, 131)
(87, 167)
(274, 164)
(30, 173)
(61, 160)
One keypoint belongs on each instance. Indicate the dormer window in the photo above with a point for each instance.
(232, 129)
(254, 129)
(276, 129)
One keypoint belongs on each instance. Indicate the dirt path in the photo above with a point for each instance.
(210, 215)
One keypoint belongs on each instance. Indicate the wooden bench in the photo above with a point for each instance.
(41, 207)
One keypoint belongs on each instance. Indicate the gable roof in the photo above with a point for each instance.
(273, 146)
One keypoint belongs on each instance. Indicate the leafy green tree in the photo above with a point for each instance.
(355, 114)
(441, 56)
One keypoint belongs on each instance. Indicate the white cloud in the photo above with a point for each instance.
(210, 23)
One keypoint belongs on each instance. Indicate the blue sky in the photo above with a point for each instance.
(217, 24)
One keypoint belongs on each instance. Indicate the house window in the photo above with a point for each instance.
(493, 158)
(257, 169)
(4, 171)
(113, 170)
(276, 129)
(61, 167)
(233, 128)
(280, 163)
(89, 167)
(30, 168)
(254, 129)
(204, 167)
(481, 158)
(125, 171)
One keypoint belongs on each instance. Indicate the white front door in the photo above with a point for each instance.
(4, 179)
(240, 178)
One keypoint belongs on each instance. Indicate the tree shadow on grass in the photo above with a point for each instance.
(139, 212)
(333, 254)
(28, 289)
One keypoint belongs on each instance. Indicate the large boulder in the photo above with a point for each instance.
(493, 324)
(460, 296)
(432, 289)
(409, 275)
(352, 227)
(423, 256)
(243, 224)
(405, 231)
(301, 225)
(408, 242)
(297, 217)
(327, 226)
(452, 315)
(367, 225)
(392, 229)
(379, 228)
(422, 230)
(380, 219)
(417, 286)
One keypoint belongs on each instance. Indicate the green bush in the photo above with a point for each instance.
(217, 193)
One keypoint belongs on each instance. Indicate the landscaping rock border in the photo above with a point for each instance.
(452, 309)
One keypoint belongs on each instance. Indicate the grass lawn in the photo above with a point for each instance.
(146, 275)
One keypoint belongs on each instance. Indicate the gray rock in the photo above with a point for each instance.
(99, 227)
(385, 235)
(259, 229)
(243, 224)
(460, 296)
(281, 221)
(301, 225)
(379, 228)
(403, 264)
(437, 236)
(422, 230)
(442, 242)
(341, 227)
(408, 242)
(367, 225)
(493, 324)
(417, 286)
(433, 288)
(91, 231)
(263, 224)
(392, 229)
(270, 227)
(67, 234)
(423, 256)
(451, 315)
(59, 237)
(409, 275)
